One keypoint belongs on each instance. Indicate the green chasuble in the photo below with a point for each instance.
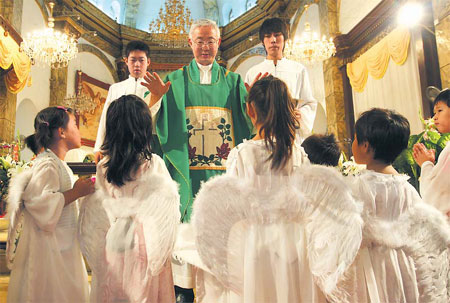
(198, 125)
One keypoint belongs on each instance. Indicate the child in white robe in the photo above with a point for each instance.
(404, 255)
(127, 228)
(435, 177)
(46, 263)
(274, 228)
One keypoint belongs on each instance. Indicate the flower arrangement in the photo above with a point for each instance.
(349, 167)
(432, 139)
(10, 165)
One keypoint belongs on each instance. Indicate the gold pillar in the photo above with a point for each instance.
(8, 102)
(334, 88)
(58, 85)
(12, 12)
(441, 11)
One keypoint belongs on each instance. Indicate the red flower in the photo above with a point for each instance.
(223, 151)
(191, 152)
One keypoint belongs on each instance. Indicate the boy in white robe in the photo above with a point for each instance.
(404, 256)
(273, 34)
(435, 177)
(137, 60)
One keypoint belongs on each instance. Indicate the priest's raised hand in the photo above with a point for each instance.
(156, 86)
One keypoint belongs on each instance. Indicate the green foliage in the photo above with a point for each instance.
(432, 139)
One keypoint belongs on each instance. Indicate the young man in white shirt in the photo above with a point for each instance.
(273, 35)
(137, 60)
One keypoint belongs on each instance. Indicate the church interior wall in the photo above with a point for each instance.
(351, 12)
(89, 64)
(247, 64)
(25, 124)
(36, 97)
(315, 71)
(39, 91)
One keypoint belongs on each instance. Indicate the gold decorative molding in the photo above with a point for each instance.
(257, 51)
(112, 37)
(87, 48)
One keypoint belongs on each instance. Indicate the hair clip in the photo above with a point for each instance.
(46, 123)
(62, 107)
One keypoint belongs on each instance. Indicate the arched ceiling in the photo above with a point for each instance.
(139, 13)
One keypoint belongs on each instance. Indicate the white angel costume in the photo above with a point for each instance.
(46, 265)
(127, 235)
(435, 181)
(274, 237)
(404, 256)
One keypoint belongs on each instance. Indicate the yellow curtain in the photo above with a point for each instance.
(375, 61)
(19, 75)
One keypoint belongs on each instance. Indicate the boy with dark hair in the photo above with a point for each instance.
(274, 33)
(322, 149)
(434, 177)
(405, 244)
(137, 60)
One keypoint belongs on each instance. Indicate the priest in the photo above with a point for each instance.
(200, 116)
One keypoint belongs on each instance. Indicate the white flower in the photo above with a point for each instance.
(351, 167)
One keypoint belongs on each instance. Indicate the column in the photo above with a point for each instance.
(334, 88)
(441, 11)
(58, 85)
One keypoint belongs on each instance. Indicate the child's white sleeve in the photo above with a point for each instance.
(435, 181)
(42, 198)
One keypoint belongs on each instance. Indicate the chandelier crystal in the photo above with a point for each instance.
(171, 28)
(49, 45)
(309, 48)
(80, 102)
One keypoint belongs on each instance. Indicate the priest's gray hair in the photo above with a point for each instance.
(204, 22)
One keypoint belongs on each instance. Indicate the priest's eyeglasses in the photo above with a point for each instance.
(209, 43)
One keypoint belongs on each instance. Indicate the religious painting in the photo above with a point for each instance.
(88, 122)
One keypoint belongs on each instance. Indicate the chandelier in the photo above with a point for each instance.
(171, 28)
(309, 48)
(81, 103)
(49, 45)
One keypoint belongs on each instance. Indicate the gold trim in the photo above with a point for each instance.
(207, 168)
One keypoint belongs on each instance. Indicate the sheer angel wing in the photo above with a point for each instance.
(93, 224)
(153, 208)
(314, 197)
(160, 216)
(15, 213)
(334, 226)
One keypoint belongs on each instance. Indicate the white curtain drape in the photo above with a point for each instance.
(399, 90)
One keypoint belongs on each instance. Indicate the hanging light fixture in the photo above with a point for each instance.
(171, 28)
(49, 45)
(308, 48)
(80, 102)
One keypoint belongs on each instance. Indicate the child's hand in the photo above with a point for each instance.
(84, 186)
(421, 154)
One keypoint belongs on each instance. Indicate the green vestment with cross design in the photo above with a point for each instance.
(198, 125)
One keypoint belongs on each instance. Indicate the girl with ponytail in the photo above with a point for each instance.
(272, 227)
(273, 149)
(46, 263)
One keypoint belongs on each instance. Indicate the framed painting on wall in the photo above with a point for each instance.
(88, 122)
